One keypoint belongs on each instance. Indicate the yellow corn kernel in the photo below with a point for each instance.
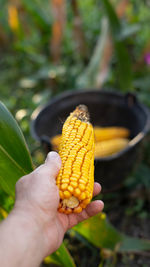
(77, 192)
(70, 188)
(73, 179)
(107, 133)
(83, 180)
(82, 196)
(110, 147)
(78, 209)
(61, 194)
(82, 187)
(76, 175)
(74, 184)
(64, 186)
(86, 201)
(67, 194)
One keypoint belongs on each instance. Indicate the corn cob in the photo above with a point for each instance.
(106, 133)
(109, 147)
(76, 176)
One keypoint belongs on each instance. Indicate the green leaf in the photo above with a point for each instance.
(61, 257)
(15, 159)
(133, 244)
(88, 78)
(102, 234)
(124, 66)
(99, 232)
(38, 14)
(113, 19)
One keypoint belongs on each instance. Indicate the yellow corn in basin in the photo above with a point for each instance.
(108, 140)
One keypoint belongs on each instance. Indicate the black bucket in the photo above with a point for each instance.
(106, 109)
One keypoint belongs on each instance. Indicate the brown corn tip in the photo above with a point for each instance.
(81, 112)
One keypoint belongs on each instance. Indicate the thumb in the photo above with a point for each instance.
(53, 163)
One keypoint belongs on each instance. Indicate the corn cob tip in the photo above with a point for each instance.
(81, 112)
(72, 202)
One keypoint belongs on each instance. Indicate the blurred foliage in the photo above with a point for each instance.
(102, 234)
(114, 58)
(102, 44)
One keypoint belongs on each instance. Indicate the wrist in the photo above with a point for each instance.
(39, 226)
(23, 237)
(31, 226)
(44, 221)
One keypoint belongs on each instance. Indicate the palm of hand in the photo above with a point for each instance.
(63, 222)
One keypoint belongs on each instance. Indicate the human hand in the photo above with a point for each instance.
(37, 199)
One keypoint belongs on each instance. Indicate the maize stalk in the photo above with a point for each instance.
(106, 133)
(76, 176)
(109, 147)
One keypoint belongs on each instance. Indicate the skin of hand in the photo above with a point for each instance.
(37, 199)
